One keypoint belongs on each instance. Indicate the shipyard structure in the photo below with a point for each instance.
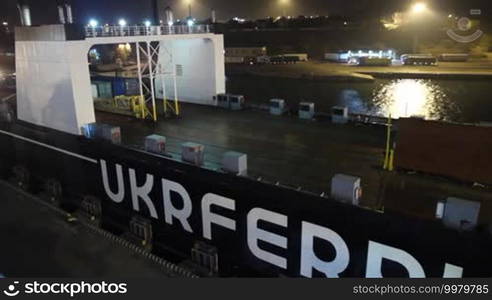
(53, 79)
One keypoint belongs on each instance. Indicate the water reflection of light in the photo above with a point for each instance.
(408, 97)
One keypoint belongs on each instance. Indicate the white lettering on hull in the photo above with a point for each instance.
(142, 192)
(119, 196)
(170, 210)
(209, 218)
(256, 234)
(309, 260)
(375, 254)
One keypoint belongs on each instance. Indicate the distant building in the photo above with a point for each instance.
(299, 56)
(345, 56)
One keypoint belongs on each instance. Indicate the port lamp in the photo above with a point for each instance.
(419, 8)
(93, 23)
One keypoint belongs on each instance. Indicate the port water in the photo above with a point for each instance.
(436, 99)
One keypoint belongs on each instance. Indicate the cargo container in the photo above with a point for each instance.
(245, 51)
(299, 56)
(263, 59)
(110, 87)
(419, 59)
(454, 57)
(373, 61)
(234, 60)
(282, 59)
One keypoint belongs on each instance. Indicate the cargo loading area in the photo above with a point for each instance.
(301, 154)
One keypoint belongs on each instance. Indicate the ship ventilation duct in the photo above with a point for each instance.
(61, 14)
(25, 13)
(213, 17)
(161, 12)
(65, 12)
(169, 16)
(68, 7)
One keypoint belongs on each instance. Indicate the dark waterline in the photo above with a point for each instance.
(448, 100)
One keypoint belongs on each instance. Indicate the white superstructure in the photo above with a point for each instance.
(53, 80)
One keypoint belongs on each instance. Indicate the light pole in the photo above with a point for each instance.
(415, 44)
(122, 22)
(283, 4)
(93, 23)
(6, 26)
(189, 2)
(417, 10)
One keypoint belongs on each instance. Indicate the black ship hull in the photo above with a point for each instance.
(259, 229)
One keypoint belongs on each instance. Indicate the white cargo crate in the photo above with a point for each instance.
(346, 188)
(236, 102)
(339, 115)
(155, 143)
(193, 153)
(235, 162)
(306, 110)
(461, 214)
(222, 100)
(277, 107)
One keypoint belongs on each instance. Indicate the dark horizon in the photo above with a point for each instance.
(109, 11)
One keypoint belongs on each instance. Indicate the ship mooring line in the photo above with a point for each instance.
(50, 147)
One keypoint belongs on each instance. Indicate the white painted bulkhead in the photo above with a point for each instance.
(53, 84)
(53, 79)
(200, 70)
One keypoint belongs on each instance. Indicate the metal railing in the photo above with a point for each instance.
(116, 31)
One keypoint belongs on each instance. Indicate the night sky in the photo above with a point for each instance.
(135, 11)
